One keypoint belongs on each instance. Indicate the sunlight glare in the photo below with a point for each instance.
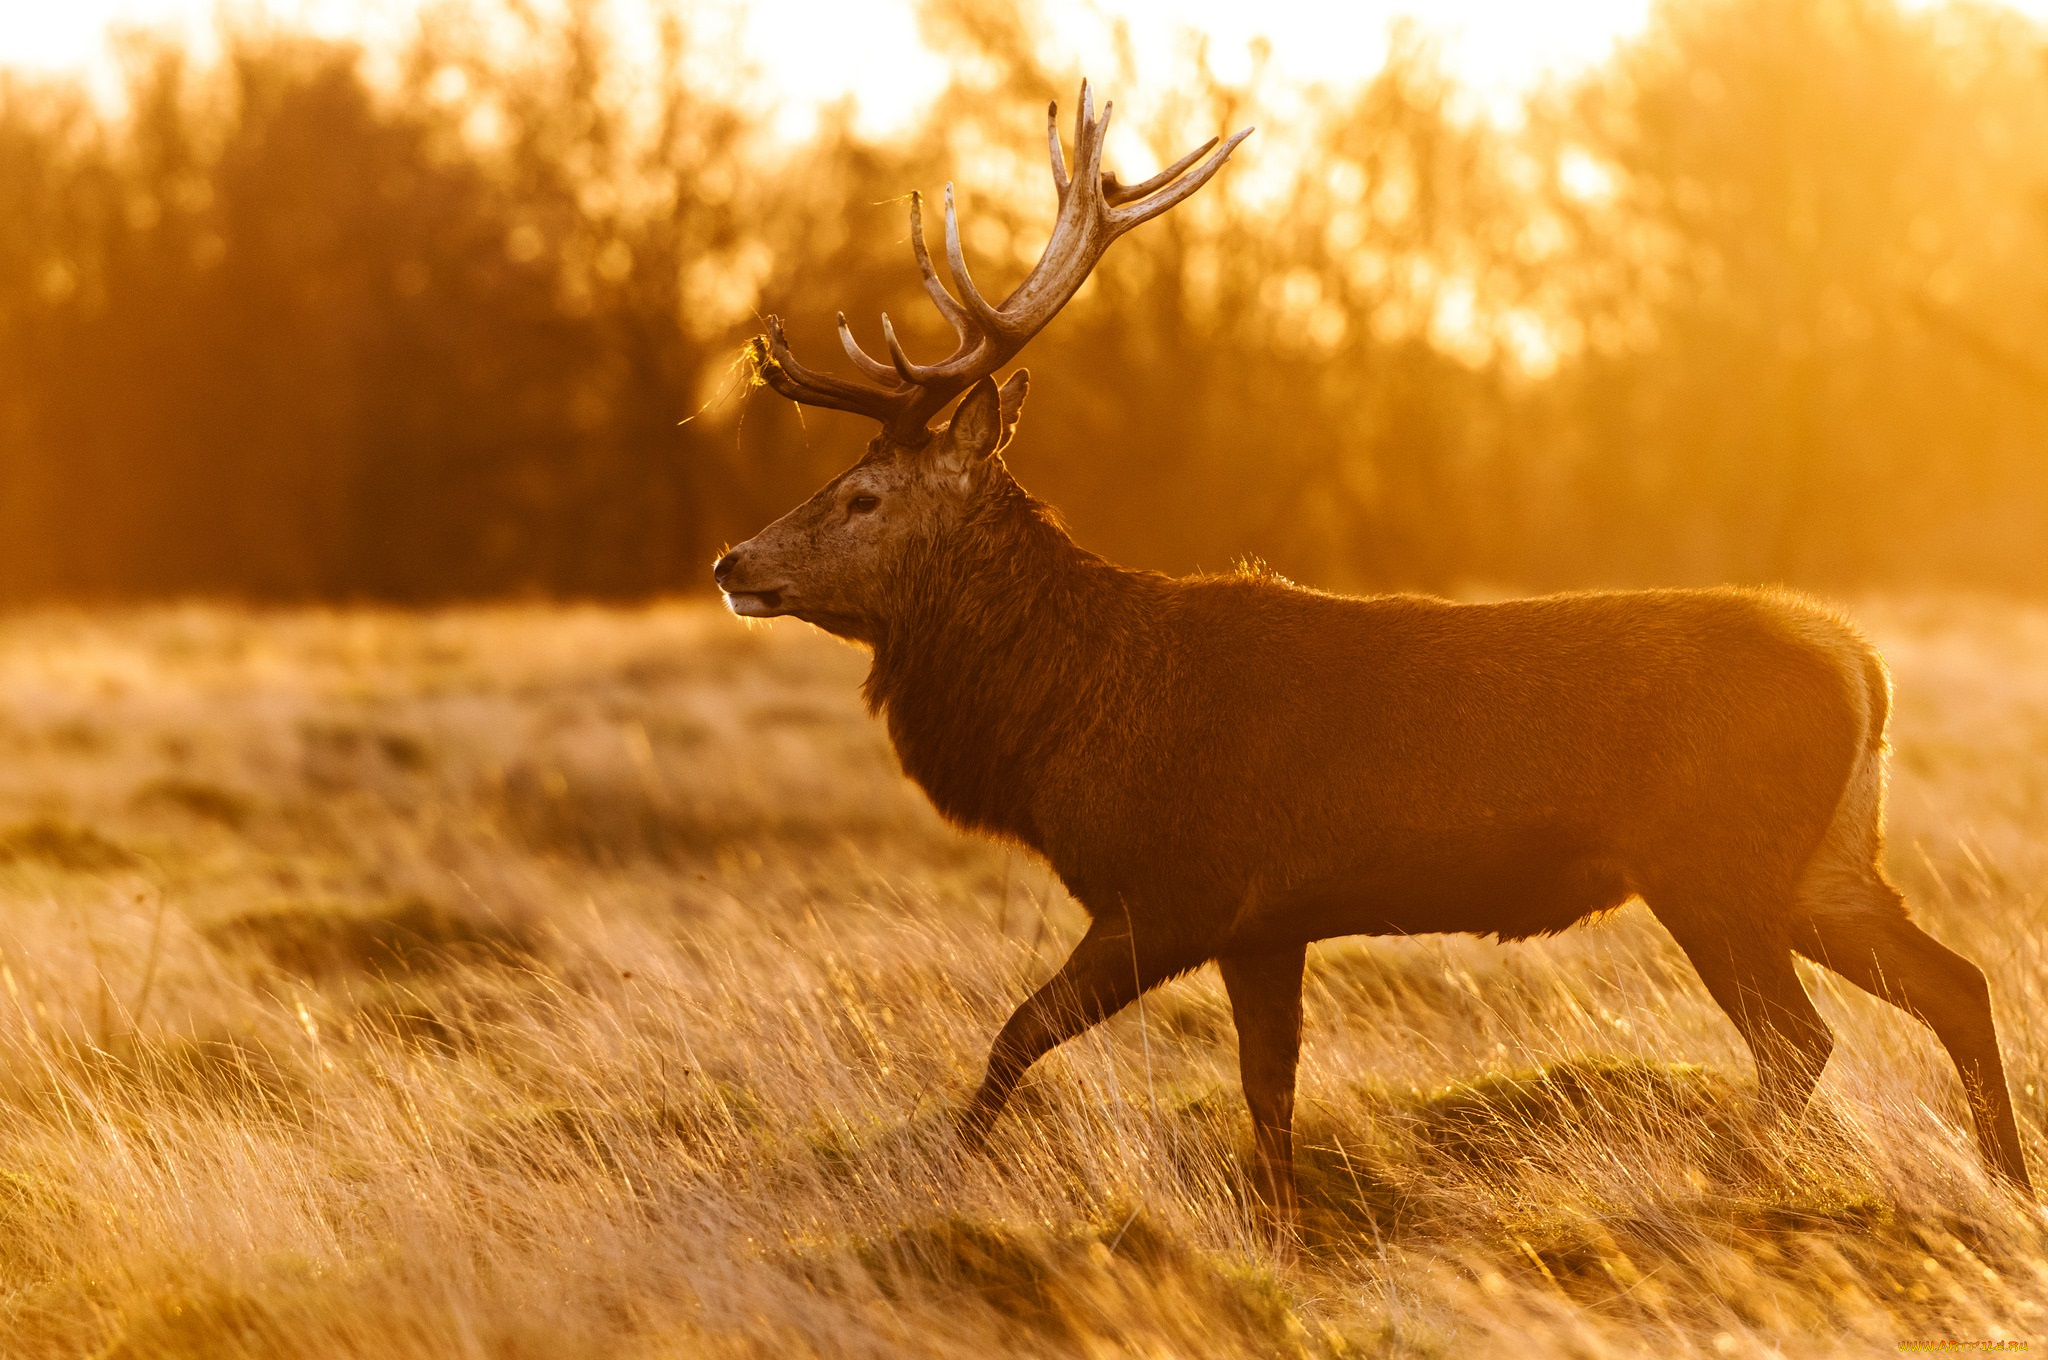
(812, 53)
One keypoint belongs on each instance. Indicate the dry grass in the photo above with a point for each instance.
(552, 983)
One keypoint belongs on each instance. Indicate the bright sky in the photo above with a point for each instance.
(814, 50)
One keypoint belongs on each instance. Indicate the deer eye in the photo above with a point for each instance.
(861, 504)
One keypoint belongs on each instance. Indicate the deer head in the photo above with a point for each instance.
(829, 561)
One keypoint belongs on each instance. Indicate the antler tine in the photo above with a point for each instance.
(917, 375)
(780, 370)
(1059, 155)
(955, 314)
(880, 372)
(1126, 218)
(956, 260)
(908, 394)
(1088, 155)
(1116, 194)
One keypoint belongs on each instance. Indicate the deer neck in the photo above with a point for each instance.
(999, 653)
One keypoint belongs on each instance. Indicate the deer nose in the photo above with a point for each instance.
(722, 568)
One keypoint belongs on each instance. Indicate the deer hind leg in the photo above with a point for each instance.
(1859, 928)
(1109, 969)
(1748, 970)
(1853, 920)
(1265, 1000)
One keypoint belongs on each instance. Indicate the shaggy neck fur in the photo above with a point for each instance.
(1006, 641)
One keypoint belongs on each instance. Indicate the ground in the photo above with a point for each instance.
(564, 982)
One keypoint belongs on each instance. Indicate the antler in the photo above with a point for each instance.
(1094, 209)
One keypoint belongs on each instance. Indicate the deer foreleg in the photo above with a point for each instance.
(1109, 969)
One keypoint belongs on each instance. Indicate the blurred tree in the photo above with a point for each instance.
(1760, 299)
(1808, 203)
(285, 336)
(1266, 370)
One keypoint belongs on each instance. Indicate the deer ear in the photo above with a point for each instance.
(976, 431)
(1012, 401)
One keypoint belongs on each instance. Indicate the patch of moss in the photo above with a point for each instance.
(1512, 1118)
(1577, 1255)
(1347, 1193)
(1123, 1276)
(1858, 1215)
(1012, 1272)
(1128, 1233)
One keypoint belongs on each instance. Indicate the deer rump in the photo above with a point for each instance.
(1289, 766)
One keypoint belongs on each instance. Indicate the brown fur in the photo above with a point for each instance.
(1231, 767)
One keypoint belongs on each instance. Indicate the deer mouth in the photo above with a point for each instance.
(754, 604)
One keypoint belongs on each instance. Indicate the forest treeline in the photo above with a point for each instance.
(1763, 298)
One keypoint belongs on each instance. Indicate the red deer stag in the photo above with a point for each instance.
(1233, 767)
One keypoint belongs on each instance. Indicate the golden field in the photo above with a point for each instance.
(559, 982)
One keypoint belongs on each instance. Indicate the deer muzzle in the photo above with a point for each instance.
(743, 595)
